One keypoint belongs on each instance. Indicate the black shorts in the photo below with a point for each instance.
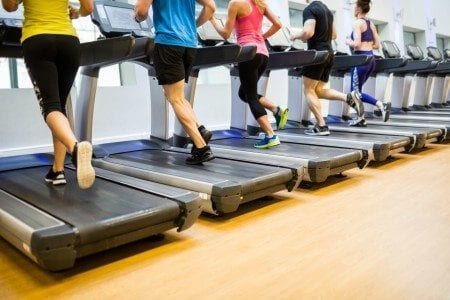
(320, 72)
(173, 63)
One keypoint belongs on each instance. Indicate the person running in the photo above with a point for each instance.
(51, 50)
(175, 50)
(318, 31)
(364, 39)
(246, 16)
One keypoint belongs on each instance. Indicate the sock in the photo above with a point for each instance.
(278, 111)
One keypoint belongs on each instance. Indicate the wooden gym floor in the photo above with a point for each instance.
(379, 233)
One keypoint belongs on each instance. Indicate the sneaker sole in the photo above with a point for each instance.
(59, 182)
(283, 119)
(209, 158)
(270, 145)
(318, 133)
(85, 171)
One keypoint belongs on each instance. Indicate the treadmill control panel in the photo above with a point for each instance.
(390, 49)
(116, 19)
(434, 53)
(207, 32)
(280, 40)
(11, 26)
(415, 52)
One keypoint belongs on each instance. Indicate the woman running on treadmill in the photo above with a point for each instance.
(246, 16)
(51, 50)
(364, 39)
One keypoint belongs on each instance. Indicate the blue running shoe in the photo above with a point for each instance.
(267, 142)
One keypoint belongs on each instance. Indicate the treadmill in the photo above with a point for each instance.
(337, 115)
(400, 96)
(429, 85)
(376, 85)
(55, 225)
(223, 184)
(382, 146)
(319, 162)
(438, 101)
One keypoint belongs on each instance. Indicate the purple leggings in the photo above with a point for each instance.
(360, 75)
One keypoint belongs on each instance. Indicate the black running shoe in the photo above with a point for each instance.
(56, 178)
(206, 135)
(359, 123)
(82, 160)
(354, 101)
(199, 156)
(318, 130)
(386, 111)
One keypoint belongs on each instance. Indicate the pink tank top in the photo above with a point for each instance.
(249, 30)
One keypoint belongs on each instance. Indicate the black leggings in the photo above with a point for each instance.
(52, 61)
(249, 73)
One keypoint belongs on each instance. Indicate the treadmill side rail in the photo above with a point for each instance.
(46, 240)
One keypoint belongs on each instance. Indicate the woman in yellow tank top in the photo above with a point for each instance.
(51, 51)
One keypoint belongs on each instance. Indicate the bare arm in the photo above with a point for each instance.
(11, 5)
(225, 31)
(86, 7)
(209, 7)
(376, 37)
(141, 10)
(307, 32)
(356, 42)
(276, 24)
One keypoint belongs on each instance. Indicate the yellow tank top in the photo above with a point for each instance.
(46, 17)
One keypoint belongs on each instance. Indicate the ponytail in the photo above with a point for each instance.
(364, 5)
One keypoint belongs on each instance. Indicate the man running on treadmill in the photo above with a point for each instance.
(318, 30)
(175, 50)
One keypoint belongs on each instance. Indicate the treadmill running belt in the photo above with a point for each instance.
(215, 171)
(336, 157)
(105, 210)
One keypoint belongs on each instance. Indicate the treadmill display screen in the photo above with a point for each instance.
(415, 52)
(122, 18)
(435, 53)
(279, 39)
(209, 33)
(391, 49)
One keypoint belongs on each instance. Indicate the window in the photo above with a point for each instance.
(296, 17)
(440, 44)
(409, 39)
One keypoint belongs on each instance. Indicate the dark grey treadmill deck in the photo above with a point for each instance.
(413, 123)
(103, 211)
(382, 145)
(319, 159)
(408, 116)
(422, 134)
(223, 183)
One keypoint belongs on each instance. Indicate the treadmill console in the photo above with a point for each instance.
(415, 52)
(434, 53)
(390, 49)
(11, 27)
(116, 19)
(207, 34)
(280, 41)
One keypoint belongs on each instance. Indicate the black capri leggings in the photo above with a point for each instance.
(52, 61)
(249, 73)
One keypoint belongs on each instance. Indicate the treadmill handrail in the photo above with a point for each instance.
(384, 64)
(345, 62)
